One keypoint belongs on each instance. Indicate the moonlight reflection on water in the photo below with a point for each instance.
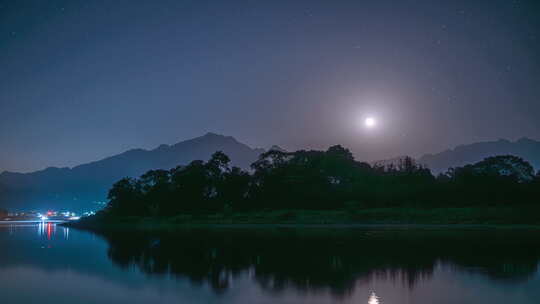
(373, 299)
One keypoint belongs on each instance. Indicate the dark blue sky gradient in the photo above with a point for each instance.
(82, 80)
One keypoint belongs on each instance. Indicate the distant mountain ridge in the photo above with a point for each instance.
(77, 187)
(526, 148)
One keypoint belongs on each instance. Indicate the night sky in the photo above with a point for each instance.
(82, 80)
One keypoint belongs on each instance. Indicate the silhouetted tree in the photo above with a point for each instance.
(498, 179)
(504, 166)
(125, 198)
(234, 190)
(330, 179)
(156, 189)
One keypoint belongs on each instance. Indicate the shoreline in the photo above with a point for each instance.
(382, 218)
(395, 217)
(243, 226)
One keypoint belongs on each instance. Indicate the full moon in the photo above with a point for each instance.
(370, 122)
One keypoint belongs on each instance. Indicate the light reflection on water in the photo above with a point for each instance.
(373, 299)
(47, 229)
(62, 264)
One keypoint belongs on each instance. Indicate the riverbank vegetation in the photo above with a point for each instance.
(330, 187)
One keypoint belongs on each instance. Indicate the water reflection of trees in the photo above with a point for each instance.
(323, 260)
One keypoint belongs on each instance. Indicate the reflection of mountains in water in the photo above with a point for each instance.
(315, 260)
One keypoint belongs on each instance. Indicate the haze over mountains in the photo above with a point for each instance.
(525, 148)
(80, 187)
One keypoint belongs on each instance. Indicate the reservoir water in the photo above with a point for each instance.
(46, 263)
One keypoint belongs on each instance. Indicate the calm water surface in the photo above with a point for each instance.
(45, 263)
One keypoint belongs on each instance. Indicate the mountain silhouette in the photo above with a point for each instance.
(525, 148)
(80, 187)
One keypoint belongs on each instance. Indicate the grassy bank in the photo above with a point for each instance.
(380, 216)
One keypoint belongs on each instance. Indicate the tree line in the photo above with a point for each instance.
(321, 180)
